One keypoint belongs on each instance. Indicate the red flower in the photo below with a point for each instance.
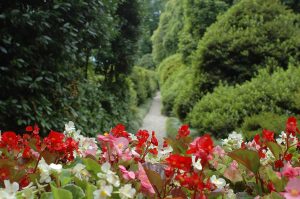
(29, 128)
(192, 181)
(4, 174)
(165, 144)
(55, 141)
(71, 146)
(120, 131)
(154, 139)
(24, 181)
(183, 131)
(257, 139)
(179, 162)
(288, 157)
(10, 140)
(271, 186)
(142, 136)
(261, 153)
(268, 135)
(278, 164)
(36, 129)
(153, 151)
(291, 126)
(202, 147)
(26, 153)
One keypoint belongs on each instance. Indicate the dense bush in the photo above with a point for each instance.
(225, 109)
(254, 124)
(249, 35)
(168, 66)
(144, 83)
(198, 15)
(165, 38)
(146, 61)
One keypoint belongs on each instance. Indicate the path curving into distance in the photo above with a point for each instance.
(154, 120)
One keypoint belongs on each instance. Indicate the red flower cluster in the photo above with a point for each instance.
(193, 181)
(120, 131)
(10, 140)
(183, 131)
(202, 147)
(176, 161)
(291, 126)
(57, 142)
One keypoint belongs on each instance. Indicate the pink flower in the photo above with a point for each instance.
(292, 189)
(127, 175)
(219, 151)
(120, 144)
(289, 171)
(234, 165)
(146, 185)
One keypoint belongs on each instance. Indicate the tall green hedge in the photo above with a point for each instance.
(166, 37)
(224, 110)
(144, 83)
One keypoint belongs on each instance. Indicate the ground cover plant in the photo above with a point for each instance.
(118, 164)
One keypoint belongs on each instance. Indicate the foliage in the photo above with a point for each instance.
(198, 15)
(293, 4)
(119, 164)
(150, 12)
(254, 124)
(226, 108)
(146, 61)
(59, 66)
(165, 38)
(144, 83)
(250, 35)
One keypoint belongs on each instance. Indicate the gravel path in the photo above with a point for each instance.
(154, 120)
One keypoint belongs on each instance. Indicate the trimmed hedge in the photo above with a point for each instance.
(225, 109)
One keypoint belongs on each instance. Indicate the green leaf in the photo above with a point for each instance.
(80, 183)
(248, 158)
(275, 149)
(76, 191)
(47, 195)
(59, 193)
(65, 177)
(89, 191)
(92, 165)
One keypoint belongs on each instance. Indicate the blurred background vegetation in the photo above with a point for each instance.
(221, 65)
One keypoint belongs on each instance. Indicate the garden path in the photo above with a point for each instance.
(154, 120)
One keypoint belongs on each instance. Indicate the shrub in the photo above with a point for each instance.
(251, 34)
(165, 38)
(168, 66)
(144, 83)
(254, 124)
(146, 61)
(225, 109)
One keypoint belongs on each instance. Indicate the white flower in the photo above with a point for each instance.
(133, 137)
(104, 191)
(78, 170)
(196, 164)
(109, 175)
(220, 182)
(282, 138)
(113, 179)
(55, 167)
(234, 139)
(70, 127)
(44, 171)
(10, 190)
(127, 191)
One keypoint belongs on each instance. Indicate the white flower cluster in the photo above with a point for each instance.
(46, 170)
(106, 183)
(233, 141)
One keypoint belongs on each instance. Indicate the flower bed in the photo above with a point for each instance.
(122, 165)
